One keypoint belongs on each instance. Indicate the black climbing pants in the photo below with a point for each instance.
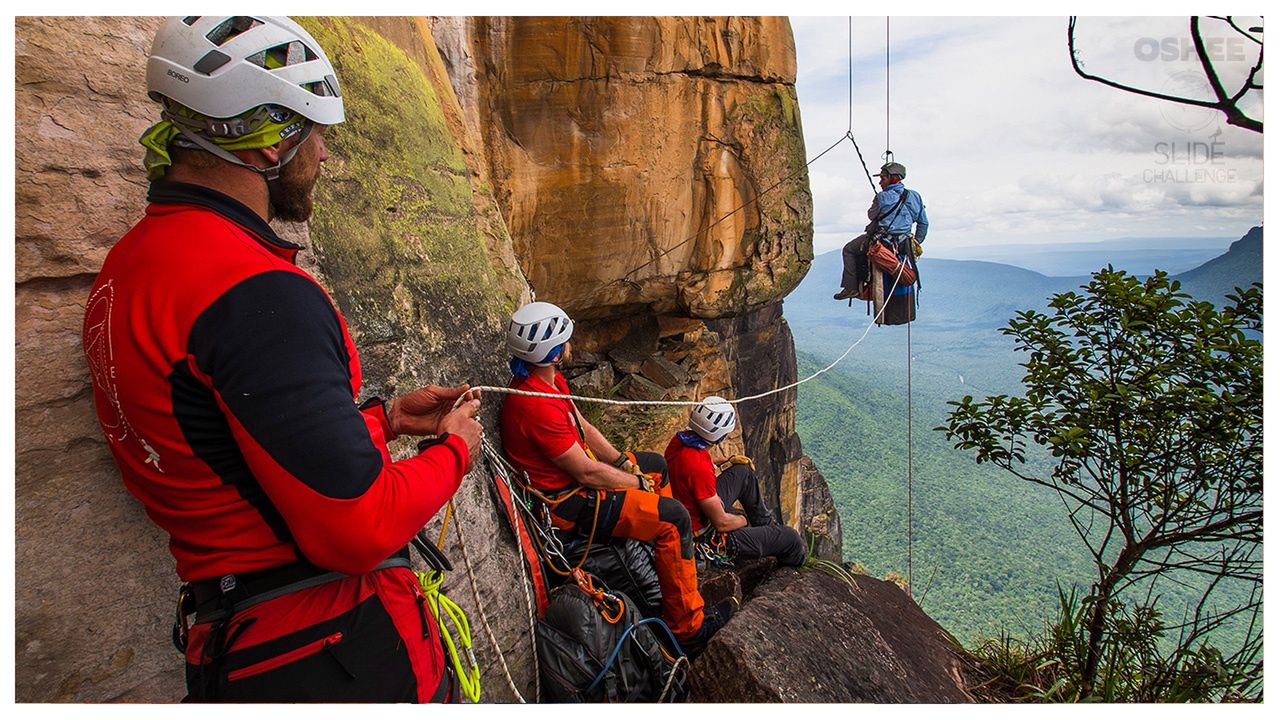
(763, 537)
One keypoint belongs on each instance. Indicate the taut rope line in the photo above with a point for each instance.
(695, 403)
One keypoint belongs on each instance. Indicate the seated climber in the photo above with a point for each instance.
(892, 213)
(709, 498)
(593, 489)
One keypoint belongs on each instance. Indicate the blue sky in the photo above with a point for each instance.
(1007, 145)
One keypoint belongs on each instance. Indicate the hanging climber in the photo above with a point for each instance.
(224, 380)
(593, 489)
(893, 212)
(710, 497)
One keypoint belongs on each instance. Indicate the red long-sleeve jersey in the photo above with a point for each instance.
(225, 381)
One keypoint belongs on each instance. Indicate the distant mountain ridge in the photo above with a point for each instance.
(1239, 266)
(1131, 254)
(969, 292)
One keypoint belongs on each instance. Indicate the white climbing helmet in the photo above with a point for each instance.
(713, 419)
(222, 67)
(536, 329)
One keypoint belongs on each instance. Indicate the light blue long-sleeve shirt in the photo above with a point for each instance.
(912, 211)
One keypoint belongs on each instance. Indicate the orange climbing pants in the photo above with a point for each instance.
(652, 517)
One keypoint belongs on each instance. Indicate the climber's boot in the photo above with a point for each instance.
(712, 620)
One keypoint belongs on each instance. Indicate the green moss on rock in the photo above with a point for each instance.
(394, 209)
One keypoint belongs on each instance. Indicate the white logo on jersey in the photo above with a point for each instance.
(97, 345)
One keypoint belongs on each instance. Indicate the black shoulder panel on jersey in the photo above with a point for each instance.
(274, 348)
(207, 432)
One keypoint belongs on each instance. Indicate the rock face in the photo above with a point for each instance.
(600, 157)
(810, 637)
(652, 174)
(406, 239)
(88, 563)
(620, 149)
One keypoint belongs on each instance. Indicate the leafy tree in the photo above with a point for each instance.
(1150, 405)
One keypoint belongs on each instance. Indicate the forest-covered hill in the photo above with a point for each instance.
(987, 547)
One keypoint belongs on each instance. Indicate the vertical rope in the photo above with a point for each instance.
(886, 89)
(909, 518)
(851, 76)
(484, 617)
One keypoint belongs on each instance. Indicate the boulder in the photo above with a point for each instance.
(664, 372)
(596, 381)
(628, 360)
(806, 636)
(634, 387)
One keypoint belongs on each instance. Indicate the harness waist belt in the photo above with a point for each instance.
(214, 595)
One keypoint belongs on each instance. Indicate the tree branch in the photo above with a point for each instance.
(1226, 105)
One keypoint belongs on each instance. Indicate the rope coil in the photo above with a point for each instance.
(442, 607)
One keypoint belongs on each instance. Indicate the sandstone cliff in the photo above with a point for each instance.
(599, 158)
(651, 172)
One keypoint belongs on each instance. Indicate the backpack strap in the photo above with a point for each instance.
(897, 208)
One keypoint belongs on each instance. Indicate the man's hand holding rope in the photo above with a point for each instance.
(434, 410)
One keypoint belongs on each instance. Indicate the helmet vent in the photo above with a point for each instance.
(284, 55)
(231, 28)
(190, 20)
(328, 88)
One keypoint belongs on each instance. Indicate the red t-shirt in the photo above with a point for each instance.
(693, 478)
(536, 429)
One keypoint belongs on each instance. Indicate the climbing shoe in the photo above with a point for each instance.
(845, 294)
(712, 621)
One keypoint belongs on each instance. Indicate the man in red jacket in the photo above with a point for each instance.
(709, 496)
(225, 381)
(593, 489)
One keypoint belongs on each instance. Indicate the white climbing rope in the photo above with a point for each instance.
(484, 618)
(694, 403)
(683, 659)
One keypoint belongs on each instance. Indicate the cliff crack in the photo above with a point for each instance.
(641, 78)
(62, 283)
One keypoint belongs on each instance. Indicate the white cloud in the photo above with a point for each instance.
(1007, 144)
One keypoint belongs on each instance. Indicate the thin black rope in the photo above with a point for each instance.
(870, 182)
(888, 154)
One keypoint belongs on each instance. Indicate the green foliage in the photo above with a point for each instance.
(1133, 667)
(1150, 405)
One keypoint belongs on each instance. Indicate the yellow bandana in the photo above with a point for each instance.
(279, 124)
